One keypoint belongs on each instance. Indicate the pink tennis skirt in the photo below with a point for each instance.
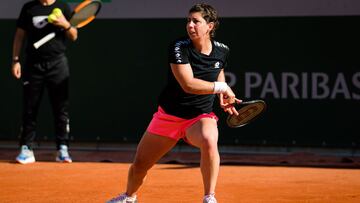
(173, 127)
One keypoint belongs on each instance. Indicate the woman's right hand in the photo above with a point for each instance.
(228, 100)
(16, 70)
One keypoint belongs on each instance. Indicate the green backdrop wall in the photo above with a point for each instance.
(306, 68)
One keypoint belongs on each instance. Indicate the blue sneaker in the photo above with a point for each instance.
(26, 155)
(123, 198)
(63, 155)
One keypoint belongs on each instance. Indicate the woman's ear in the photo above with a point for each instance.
(211, 26)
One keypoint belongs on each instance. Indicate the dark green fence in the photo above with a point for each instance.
(306, 68)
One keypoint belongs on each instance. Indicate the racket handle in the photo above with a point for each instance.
(43, 40)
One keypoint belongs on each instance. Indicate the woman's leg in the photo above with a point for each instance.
(150, 149)
(204, 135)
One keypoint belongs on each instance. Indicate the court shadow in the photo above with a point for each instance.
(179, 166)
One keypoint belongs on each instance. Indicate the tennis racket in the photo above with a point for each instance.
(82, 15)
(248, 112)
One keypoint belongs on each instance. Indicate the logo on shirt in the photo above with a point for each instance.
(177, 53)
(40, 21)
(177, 50)
(217, 65)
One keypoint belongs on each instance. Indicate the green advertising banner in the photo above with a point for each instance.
(306, 68)
(168, 9)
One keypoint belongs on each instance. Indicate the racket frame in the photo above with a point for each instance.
(240, 106)
(83, 5)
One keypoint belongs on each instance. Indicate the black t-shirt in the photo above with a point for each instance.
(173, 99)
(33, 19)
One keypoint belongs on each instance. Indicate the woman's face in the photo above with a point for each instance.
(197, 27)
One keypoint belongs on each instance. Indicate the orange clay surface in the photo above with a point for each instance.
(93, 181)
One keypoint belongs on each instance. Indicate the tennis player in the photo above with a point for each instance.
(44, 68)
(185, 111)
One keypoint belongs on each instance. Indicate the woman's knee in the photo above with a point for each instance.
(209, 142)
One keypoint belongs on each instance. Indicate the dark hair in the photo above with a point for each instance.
(208, 13)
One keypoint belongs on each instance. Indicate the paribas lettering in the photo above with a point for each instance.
(304, 85)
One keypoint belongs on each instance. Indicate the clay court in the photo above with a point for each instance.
(98, 175)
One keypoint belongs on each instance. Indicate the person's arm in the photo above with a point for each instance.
(221, 77)
(70, 31)
(225, 100)
(185, 77)
(17, 45)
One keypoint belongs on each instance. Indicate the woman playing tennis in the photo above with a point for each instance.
(196, 75)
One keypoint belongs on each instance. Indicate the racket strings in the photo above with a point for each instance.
(85, 14)
(246, 114)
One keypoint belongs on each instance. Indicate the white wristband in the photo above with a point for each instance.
(220, 87)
